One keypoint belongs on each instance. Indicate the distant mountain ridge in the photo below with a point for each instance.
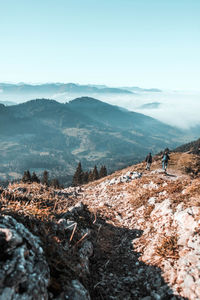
(138, 89)
(21, 92)
(45, 134)
(10, 91)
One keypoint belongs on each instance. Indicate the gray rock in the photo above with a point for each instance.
(24, 272)
(75, 291)
(86, 249)
(155, 296)
(74, 210)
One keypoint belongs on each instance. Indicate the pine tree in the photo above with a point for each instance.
(85, 177)
(95, 173)
(34, 178)
(26, 177)
(103, 172)
(45, 178)
(55, 183)
(78, 176)
(90, 176)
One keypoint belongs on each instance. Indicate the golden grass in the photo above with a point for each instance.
(168, 247)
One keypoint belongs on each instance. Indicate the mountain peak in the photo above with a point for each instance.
(41, 101)
(86, 100)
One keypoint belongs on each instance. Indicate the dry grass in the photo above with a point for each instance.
(38, 208)
(168, 248)
(180, 190)
(35, 200)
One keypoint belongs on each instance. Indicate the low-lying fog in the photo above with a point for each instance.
(181, 109)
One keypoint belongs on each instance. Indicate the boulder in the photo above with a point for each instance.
(24, 272)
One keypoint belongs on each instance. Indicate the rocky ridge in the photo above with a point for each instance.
(132, 235)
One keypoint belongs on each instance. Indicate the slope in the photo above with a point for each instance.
(131, 235)
(192, 147)
(117, 117)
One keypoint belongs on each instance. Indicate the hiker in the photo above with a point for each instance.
(148, 161)
(165, 159)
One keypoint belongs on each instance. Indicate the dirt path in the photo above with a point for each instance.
(116, 271)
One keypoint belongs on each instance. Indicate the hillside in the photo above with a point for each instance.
(44, 134)
(131, 235)
(192, 147)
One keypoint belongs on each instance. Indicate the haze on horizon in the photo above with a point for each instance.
(176, 108)
(145, 43)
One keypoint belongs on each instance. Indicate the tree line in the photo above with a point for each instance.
(81, 177)
(29, 178)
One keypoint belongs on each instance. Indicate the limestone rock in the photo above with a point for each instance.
(75, 291)
(24, 272)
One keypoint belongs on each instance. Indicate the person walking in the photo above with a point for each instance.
(148, 161)
(165, 159)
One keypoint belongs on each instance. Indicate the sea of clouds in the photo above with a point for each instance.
(176, 108)
(181, 109)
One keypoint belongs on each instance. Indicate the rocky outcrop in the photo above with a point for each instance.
(171, 240)
(24, 272)
(75, 291)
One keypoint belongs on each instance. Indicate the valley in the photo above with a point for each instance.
(43, 134)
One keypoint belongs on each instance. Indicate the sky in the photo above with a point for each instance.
(146, 43)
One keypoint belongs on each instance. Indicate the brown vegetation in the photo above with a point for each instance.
(114, 213)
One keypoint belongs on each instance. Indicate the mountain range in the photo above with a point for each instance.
(21, 92)
(44, 134)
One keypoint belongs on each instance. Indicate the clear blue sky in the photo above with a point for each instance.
(147, 43)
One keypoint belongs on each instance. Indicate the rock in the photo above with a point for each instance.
(75, 291)
(86, 249)
(24, 272)
(152, 200)
(73, 210)
(112, 181)
(136, 175)
(76, 208)
(155, 296)
(125, 178)
(150, 186)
